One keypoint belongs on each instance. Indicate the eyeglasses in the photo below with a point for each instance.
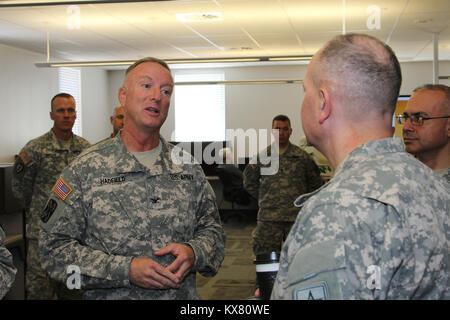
(416, 118)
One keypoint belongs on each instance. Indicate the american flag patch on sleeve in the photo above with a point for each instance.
(62, 189)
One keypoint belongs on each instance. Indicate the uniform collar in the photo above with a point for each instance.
(367, 150)
(370, 149)
(127, 162)
(57, 146)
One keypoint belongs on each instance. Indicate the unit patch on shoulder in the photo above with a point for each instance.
(316, 291)
(26, 159)
(62, 189)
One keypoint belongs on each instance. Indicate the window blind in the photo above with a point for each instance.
(70, 82)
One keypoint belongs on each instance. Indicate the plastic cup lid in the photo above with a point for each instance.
(267, 257)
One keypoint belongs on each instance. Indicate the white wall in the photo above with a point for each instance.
(96, 109)
(416, 74)
(254, 106)
(247, 106)
(26, 92)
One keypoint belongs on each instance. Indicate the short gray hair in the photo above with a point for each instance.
(367, 69)
(445, 107)
(147, 59)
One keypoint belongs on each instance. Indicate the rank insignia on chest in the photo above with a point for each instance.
(62, 189)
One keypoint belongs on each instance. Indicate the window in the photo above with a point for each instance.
(70, 82)
(199, 109)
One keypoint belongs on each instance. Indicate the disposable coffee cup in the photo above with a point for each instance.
(267, 265)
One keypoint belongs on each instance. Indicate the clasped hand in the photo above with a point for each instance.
(147, 273)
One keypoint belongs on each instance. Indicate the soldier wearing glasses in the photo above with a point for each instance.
(429, 140)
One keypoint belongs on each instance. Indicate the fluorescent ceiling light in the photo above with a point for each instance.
(216, 60)
(292, 58)
(32, 3)
(56, 64)
(239, 82)
(199, 16)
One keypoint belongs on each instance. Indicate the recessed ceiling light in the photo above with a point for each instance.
(199, 16)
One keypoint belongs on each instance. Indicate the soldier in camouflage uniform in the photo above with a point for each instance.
(380, 228)
(427, 134)
(134, 222)
(297, 174)
(36, 169)
(7, 269)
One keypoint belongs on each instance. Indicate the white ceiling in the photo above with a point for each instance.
(247, 28)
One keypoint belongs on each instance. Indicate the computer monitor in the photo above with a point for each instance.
(402, 101)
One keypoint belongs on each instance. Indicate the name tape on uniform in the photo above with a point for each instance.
(178, 177)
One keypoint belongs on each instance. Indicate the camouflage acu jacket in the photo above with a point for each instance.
(7, 269)
(110, 208)
(445, 173)
(297, 174)
(36, 169)
(378, 230)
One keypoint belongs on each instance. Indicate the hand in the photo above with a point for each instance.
(257, 293)
(147, 273)
(184, 259)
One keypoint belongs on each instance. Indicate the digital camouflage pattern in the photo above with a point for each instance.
(297, 174)
(117, 209)
(36, 169)
(268, 236)
(445, 173)
(7, 269)
(378, 230)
